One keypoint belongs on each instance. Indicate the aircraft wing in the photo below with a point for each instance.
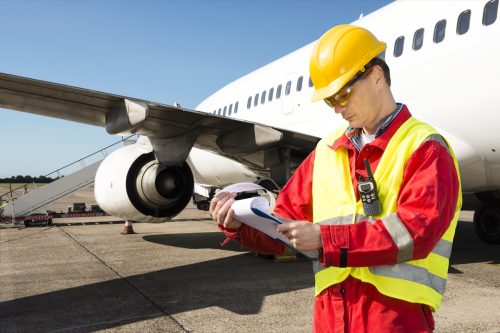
(258, 146)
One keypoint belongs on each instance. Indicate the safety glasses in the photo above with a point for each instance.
(342, 97)
(339, 99)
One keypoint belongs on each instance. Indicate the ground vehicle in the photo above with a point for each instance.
(37, 218)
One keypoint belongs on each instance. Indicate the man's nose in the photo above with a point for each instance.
(339, 109)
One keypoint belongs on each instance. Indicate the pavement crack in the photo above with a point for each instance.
(127, 281)
(22, 237)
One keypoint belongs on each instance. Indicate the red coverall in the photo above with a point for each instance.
(426, 205)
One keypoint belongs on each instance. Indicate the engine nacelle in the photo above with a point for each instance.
(132, 184)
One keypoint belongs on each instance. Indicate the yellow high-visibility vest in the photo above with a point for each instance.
(334, 202)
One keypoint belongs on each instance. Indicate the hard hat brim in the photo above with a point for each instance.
(340, 82)
(333, 88)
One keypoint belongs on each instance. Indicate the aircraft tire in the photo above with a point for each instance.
(487, 223)
(203, 205)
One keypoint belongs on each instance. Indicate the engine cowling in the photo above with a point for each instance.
(132, 184)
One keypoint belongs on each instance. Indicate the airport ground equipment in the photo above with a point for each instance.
(48, 217)
(43, 196)
(37, 218)
(67, 182)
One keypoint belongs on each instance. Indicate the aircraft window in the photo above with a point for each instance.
(418, 39)
(249, 102)
(271, 92)
(439, 31)
(398, 46)
(230, 109)
(278, 92)
(288, 87)
(310, 82)
(263, 97)
(224, 112)
(299, 83)
(219, 112)
(463, 22)
(236, 107)
(256, 100)
(490, 12)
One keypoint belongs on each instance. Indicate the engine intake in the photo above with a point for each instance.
(132, 184)
(158, 190)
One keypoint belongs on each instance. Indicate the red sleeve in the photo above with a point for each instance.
(426, 206)
(253, 240)
(294, 202)
(295, 199)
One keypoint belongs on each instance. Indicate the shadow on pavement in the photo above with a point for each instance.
(238, 283)
(469, 248)
(203, 240)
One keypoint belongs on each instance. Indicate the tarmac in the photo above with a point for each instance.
(84, 276)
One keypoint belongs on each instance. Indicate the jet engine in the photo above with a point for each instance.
(132, 184)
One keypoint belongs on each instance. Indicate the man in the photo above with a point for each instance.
(383, 260)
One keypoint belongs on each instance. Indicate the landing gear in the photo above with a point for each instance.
(203, 205)
(487, 222)
(202, 202)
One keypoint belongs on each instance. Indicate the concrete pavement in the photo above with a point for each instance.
(175, 277)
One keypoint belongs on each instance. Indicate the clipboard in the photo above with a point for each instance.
(254, 213)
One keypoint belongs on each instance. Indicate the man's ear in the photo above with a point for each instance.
(377, 75)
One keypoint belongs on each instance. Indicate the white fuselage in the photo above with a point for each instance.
(450, 84)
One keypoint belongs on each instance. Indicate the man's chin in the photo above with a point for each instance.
(353, 124)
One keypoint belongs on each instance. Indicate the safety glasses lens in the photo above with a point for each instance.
(339, 99)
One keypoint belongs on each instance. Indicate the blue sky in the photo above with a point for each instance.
(163, 51)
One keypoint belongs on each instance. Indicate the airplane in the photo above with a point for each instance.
(443, 60)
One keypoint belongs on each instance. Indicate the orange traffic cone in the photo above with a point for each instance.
(128, 229)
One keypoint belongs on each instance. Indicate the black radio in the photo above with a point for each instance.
(368, 192)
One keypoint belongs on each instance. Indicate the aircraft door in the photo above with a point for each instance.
(289, 96)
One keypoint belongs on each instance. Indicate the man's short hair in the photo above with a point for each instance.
(380, 62)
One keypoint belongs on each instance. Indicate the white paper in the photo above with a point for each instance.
(244, 213)
(242, 187)
(254, 212)
(251, 187)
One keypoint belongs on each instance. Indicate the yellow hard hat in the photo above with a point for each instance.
(338, 55)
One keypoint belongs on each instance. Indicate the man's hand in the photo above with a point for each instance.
(303, 235)
(221, 211)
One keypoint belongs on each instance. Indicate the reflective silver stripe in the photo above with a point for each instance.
(443, 248)
(403, 272)
(400, 236)
(338, 220)
(346, 220)
(411, 273)
(360, 217)
(438, 138)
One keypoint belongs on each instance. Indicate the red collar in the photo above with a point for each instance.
(383, 140)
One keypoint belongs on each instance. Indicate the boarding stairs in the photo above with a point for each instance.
(71, 177)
